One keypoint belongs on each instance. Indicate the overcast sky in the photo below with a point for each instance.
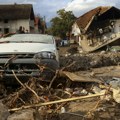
(48, 8)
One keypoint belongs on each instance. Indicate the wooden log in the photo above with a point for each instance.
(57, 101)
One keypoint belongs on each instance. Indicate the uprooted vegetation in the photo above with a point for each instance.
(69, 95)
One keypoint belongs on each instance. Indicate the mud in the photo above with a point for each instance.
(86, 62)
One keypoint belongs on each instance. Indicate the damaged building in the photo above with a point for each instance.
(98, 28)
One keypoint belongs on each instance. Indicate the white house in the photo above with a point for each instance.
(16, 15)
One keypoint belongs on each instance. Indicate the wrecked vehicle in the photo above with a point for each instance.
(28, 55)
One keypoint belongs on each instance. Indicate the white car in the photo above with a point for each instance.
(28, 55)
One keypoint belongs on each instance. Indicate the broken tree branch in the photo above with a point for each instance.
(33, 92)
(25, 86)
(55, 102)
(68, 65)
(56, 74)
(18, 79)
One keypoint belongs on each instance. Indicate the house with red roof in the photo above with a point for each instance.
(97, 28)
(40, 25)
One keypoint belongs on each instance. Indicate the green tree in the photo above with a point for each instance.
(61, 25)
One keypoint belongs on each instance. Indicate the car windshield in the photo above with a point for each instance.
(31, 38)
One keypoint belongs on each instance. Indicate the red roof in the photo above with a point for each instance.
(37, 19)
(83, 20)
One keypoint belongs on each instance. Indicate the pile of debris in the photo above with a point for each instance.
(93, 93)
(87, 61)
(63, 100)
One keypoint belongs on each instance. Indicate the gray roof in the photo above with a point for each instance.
(16, 11)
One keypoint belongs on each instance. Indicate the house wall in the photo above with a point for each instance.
(76, 33)
(13, 25)
(16, 24)
(31, 22)
(75, 30)
(117, 26)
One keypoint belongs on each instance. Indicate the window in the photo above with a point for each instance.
(6, 21)
(6, 30)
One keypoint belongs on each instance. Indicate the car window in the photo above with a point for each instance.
(29, 38)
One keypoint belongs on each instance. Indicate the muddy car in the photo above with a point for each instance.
(28, 55)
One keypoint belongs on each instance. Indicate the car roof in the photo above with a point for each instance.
(32, 35)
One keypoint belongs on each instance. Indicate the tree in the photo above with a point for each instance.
(61, 25)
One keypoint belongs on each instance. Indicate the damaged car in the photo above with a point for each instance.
(28, 55)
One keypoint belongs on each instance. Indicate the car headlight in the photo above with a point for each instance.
(45, 55)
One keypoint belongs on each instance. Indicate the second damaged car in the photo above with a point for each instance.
(28, 55)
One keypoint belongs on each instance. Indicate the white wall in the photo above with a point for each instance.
(14, 25)
(32, 23)
(117, 26)
(75, 30)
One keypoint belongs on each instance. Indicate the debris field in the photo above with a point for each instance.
(86, 87)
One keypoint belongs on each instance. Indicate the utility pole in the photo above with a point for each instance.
(44, 26)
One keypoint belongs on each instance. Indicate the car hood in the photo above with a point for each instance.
(25, 47)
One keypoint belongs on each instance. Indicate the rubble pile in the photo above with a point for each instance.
(88, 61)
(70, 94)
(76, 100)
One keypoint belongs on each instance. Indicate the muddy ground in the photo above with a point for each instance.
(25, 100)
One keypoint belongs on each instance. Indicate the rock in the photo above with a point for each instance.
(115, 83)
(42, 111)
(70, 90)
(77, 91)
(115, 87)
(3, 112)
(63, 110)
(84, 92)
(102, 52)
(116, 95)
(23, 115)
(96, 89)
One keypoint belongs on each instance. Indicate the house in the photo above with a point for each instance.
(37, 24)
(97, 28)
(12, 16)
(40, 25)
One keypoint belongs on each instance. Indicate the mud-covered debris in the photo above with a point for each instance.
(77, 78)
(115, 88)
(73, 50)
(3, 111)
(23, 115)
(89, 61)
(79, 90)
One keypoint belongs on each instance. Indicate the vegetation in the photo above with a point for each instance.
(61, 25)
